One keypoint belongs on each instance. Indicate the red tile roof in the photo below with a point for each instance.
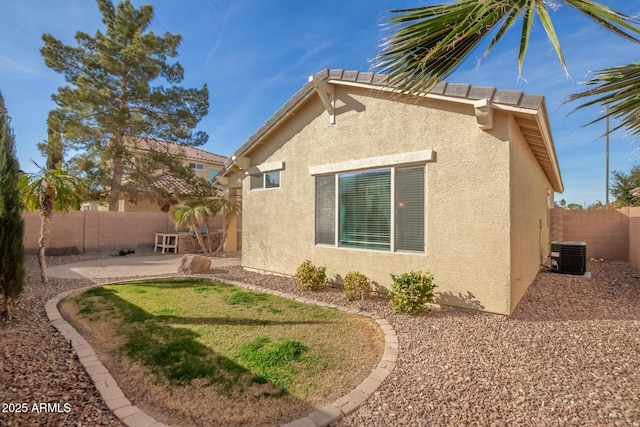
(184, 151)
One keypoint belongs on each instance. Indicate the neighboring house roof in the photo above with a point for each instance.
(164, 180)
(635, 192)
(170, 184)
(185, 151)
(529, 112)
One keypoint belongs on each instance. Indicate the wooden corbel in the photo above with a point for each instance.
(327, 96)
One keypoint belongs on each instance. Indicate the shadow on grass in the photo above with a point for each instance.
(236, 321)
(177, 358)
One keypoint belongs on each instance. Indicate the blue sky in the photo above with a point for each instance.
(254, 55)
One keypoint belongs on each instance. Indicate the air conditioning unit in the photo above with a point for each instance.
(569, 257)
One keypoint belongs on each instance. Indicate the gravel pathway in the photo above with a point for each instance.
(569, 355)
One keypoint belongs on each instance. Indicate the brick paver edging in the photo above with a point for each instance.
(133, 416)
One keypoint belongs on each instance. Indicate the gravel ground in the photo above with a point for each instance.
(568, 355)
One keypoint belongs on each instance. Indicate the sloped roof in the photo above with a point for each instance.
(172, 185)
(529, 112)
(635, 192)
(184, 151)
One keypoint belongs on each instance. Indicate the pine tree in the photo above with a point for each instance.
(11, 221)
(114, 94)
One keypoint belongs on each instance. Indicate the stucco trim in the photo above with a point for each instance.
(265, 167)
(372, 162)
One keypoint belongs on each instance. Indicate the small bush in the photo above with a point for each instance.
(356, 286)
(310, 276)
(411, 291)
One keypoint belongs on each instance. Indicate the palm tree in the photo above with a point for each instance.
(229, 206)
(427, 44)
(193, 214)
(49, 191)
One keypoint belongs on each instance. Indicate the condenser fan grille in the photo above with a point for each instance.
(569, 257)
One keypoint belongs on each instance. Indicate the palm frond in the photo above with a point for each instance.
(63, 188)
(617, 88)
(426, 44)
(623, 25)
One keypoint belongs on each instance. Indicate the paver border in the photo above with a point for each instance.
(133, 416)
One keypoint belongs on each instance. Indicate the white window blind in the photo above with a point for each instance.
(364, 203)
(364, 207)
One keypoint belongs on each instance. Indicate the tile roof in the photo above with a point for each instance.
(184, 151)
(514, 98)
(172, 185)
(522, 104)
(635, 192)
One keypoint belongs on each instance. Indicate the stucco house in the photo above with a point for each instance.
(354, 175)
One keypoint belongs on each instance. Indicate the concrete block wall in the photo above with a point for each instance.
(634, 237)
(95, 230)
(611, 234)
(188, 243)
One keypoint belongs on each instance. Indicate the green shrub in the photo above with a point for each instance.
(310, 276)
(411, 291)
(356, 286)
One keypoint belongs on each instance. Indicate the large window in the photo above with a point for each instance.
(381, 209)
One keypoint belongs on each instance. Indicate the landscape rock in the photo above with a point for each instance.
(568, 355)
(194, 264)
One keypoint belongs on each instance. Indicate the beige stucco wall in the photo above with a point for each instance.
(468, 194)
(529, 215)
(207, 169)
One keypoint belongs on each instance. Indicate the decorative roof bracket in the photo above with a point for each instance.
(241, 162)
(327, 96)
(484, 113)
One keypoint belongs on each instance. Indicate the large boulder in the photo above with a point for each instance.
(194, 264)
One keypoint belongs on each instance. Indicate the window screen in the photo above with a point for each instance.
(257, 181)
(325, 209)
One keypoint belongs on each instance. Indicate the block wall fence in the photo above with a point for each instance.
(94, 230)
(611, 234)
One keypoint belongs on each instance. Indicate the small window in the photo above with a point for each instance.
(265, 180)
(198, 166)
(272, 179)
(257, 181)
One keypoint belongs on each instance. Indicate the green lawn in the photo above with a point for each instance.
(197, 332)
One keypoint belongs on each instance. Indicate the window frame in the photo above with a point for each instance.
(263, 178)
(393, 238)
(196, 166)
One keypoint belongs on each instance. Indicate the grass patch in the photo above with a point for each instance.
(235, 343)
(245, 298)
(271, 362)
